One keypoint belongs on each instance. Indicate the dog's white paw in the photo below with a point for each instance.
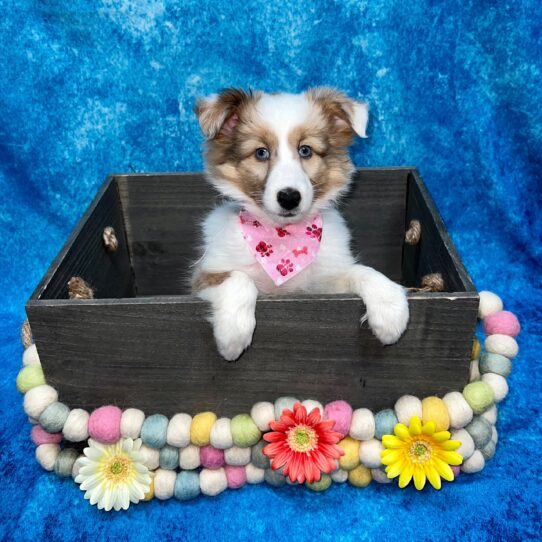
(233, 333)
(387, 312)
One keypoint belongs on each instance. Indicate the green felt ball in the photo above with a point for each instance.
(244, 431)
(495, 363)
(274, 478)
(321, 485)
(257, 458)
(29, 377)
(479, 395)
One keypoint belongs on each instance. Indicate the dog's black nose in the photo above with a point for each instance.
(288, 198)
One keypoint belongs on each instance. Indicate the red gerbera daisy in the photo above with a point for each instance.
(303, 443)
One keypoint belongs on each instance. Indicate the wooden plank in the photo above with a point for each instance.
(163, 212)
(435, 252)
(84, 255)
(158, 354)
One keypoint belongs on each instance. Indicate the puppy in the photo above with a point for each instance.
(282, 162)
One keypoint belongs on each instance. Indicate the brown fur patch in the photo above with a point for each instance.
(203, 280)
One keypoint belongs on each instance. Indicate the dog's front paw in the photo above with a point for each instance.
(233, 333)
(387, 312)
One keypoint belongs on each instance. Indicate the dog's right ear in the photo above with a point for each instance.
(218, 113)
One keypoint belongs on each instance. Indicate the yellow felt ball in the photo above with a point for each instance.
(476, 349)
(200, 430)
(350, 459)
(435, 410)
(150, 494)
(360, 476)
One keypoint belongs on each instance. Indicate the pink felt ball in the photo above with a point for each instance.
(502, 323)
(456, 470)
(104, 424)
(211, 457)
(341, 412)
(237, 476)
(40, 436)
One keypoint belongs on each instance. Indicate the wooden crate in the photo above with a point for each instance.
(144, 341)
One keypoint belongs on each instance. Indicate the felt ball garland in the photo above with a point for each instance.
(203, 454)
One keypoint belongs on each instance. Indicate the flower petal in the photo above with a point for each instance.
(433, 476)
(391, 456)
(401, 431)
(429, 429)
(395, 469)
(406, 475)
(441, 436)
(415, 426)
(419, 477)
(450, 445)
(452, 458)
(443, 469)
(390, 441)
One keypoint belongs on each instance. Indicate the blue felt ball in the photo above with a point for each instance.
(54, 417)
(154, 431)
(495, 363)
(169, 457)
(480, 430)
(385, 421)
(186, 485)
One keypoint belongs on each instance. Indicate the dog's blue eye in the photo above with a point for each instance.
(305, 151)
(262, 154)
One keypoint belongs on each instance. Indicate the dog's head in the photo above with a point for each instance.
(283, 156)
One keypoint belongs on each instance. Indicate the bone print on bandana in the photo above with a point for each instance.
(284, 251)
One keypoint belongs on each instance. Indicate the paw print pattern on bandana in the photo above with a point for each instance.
(282, 251)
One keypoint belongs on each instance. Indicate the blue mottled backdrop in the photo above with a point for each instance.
(89, 87)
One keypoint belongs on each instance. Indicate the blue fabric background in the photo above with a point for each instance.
(455, 88)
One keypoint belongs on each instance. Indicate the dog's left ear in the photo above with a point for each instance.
(346, 114)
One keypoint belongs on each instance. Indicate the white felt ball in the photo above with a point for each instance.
(30, 356)
(262, 413)
(362, 426)
(38, 399)
(221, 436)
(151, 456)
(490, 414)
(494, 435)
(489, 303)
(178, 430)
(189, 457)
(369, 453)
(502, 344)
(130, 423)
(77, 466)
(380, 476)
(310, 405)
(406, 407)
(237, 456)
(46, 455)
(459, 411)
(212, 481)
(474, 375)
(339, 476)
(76, 425)
(475, 463)
(164, 484)
(254, 474)
(498, 384)
(467, 444)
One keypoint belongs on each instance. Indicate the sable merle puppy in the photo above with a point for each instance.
(282, 160)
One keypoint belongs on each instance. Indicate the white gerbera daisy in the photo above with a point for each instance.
(113, 475)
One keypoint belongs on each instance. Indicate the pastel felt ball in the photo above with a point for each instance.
(38, 399)
(502, 344)
(40, 436)
(362, 426)
(257, 457)
(164, 484)
(284, 403)
(274, 478)
(339, 476)
(459, 410)
(491, 414)
(321, 485)
(498, 384)
(29, 377)
(480, 430)
(236, 476)
(435, 410)
(406, 407)
(379, 475)
(495, 363)
(211, 458)
(76, 425)
(244, 431)
(154, 431)
(341, 412)
(131, 422)
(467, 444)
(169, 457)
(310, 405)
(30, 356)
(150, 457)
(262, 413)
(237, 456)
(46, 455)
(189, 457)
(213, 481)
(456, 470)
(474, 372)
(350, 459)
(254, 474)
(178, 430)
(488, 451)
(64, 462)
(221, 436)
(502, 322)
(186, 485)
(475, 463)
(479, 395)
(385, 421)
(369, 453)
(200, 430)
(360, 476)
(52, 419)
(104, 424)
(490, 303)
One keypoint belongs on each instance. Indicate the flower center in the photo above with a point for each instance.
(302, 438)
(420, 451)
(117, 469)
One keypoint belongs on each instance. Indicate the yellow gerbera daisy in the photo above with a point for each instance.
(421, 453)
(113, 475)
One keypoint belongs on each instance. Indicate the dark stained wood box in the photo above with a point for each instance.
(144, 342)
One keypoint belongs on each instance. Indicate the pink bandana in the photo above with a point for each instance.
(282, 252)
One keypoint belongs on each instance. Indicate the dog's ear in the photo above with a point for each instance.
(345, 114)
(218, 113)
